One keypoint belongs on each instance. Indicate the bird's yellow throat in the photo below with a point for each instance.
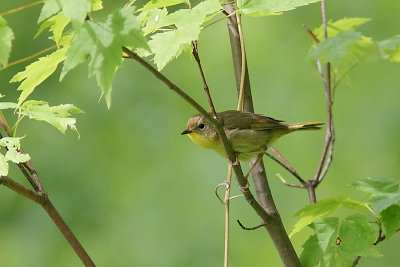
(203, 141)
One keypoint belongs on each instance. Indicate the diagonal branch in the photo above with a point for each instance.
(196, 56)
(243, 185)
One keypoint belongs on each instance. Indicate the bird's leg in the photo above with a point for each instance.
(259, 157)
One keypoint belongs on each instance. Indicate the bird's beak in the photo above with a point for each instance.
(186, 132)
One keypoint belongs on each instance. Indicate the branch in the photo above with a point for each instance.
(327, 151)
(275, 226)
(243, 185)
(43, 200)
(40, 196)
(196, 56)
(285, 164)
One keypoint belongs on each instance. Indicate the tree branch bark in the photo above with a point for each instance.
(274, 225)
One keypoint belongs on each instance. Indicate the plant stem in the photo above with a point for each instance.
(227, 203)
(274, 224)
(43, 200)
(243, 185)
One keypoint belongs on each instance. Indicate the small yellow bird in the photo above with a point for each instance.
(250, 134)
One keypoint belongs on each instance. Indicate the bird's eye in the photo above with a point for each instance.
(201, 126)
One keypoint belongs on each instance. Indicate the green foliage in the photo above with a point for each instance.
(102, 42)
(341, 25)
(382, 192)
(6, 37)
(390, 48)
(76, 10)
(38, 71)
(269, 7)
(390, 218)
(58, 116)
(337, 242)
(334, 49)
(184, 27)
(154, 4)
(323, 208)
(13, 154)
(344, 47)
(56, 25)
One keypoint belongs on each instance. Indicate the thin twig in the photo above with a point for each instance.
(240, 105)
(229, 151)
(196, 56)
(311, 33)
(284, 163)
(20, 8)
(250, 228)
(33, 55)
(227, 200)
(275, 228)
(327, 151)
(40, 196)
(20, 189)
(288, 184)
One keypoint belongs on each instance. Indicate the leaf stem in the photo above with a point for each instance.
(20, 8)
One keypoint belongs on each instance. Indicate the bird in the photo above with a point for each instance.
(249, 134)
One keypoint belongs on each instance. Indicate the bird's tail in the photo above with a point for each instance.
(305, 126)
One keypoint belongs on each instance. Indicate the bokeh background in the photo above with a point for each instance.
(136, 193)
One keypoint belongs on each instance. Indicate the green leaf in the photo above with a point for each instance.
(58, 116)
(38, 71)
(269, 7)
(390, 48)
(7, 105)
(6, 37)
(16, 157)
(390, 218)
(11, 142)
(76, 10)
(13, 145)
(323, 208)
(381, 192)
(153, 4)
(186, 29)
(342, 25)
(56, 24)
(315, 246)
(376, 185)
(3, 165)
(335, 48)
(50, 8)
(102, 42)
(337, 242)
(97, 5)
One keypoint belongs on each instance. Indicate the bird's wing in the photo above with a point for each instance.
(249, 121)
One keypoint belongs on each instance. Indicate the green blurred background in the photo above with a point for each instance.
(136, 193)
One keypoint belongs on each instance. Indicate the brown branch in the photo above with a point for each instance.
(311, 33)
(20, 189)
(2, 14)
(243, 185)
(250, 228)
(327, 151)
(196, 56)
(285, 164)
(67, 233)
(275, 227)
(40, 196)
(43, 200)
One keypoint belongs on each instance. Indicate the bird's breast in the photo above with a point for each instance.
(203, 141)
